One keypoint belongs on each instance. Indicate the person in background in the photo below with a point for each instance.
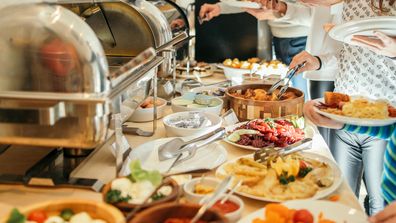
(361, 72)
(388, 184)
(289, 35)
(323, 12)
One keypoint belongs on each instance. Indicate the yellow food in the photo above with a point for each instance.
(203, 189)
(261, 95)
(251, 63)
(362, 108)
(269, 180)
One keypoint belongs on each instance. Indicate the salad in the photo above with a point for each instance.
(67, 215)
(136, 187)
(261, 133)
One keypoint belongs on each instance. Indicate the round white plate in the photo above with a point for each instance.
(331, 210)
(242, 4)
(309, 133)
(344, 32)
(355, 121)
(193, 74)
(220, 172)
(208, 157)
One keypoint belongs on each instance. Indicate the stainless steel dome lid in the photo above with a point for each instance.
(48, 48)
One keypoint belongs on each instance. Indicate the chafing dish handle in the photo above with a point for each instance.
(177, 40)
(40, 114)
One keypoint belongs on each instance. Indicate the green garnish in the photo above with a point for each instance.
(158, 196)
(303, 172)
(16, 217)
(138, 174)
(114, 196)
(283, 180)
(66, 214)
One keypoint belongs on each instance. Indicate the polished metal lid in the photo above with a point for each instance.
(47, 48)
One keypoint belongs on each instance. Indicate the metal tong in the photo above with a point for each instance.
(264, 154)
(177, 146)
(290, 74)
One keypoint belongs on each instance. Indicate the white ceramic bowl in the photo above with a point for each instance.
(172, 131)
(233, 217)
(146, 114)
(188, 188)
(216, 109)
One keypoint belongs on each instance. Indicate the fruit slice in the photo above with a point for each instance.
(236, 135)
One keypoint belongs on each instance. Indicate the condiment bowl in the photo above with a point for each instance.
(215, 109)
(215, 123)
(126, 207)
(237, 214)
(188, 188)
(147, 114)
(160, 213)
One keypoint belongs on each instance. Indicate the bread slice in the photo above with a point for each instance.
(333, 99)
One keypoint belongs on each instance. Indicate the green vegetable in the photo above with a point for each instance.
(303, 172)
(66, 214)
(138, 174)
(16, 217)
(114, 196)
(283, 180)
(158, 196)
(298, 122)
(291, 179)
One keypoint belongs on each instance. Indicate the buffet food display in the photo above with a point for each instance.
(261, 133)
(296, 176)
(250, 101)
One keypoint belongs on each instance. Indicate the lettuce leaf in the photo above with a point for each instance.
(139, 174)
(16, 217)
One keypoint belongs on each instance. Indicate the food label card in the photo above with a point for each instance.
(230, 117)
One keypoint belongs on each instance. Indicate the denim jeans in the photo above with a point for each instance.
(358, 154)
(285, 50)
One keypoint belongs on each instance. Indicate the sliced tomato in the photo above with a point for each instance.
(37, 216)
(303, 216)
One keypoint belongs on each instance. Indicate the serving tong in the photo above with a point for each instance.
(177, 147)
(264, 154)
(290, 74)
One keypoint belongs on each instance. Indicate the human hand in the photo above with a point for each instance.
(326, 3)
(317, 119)
(209, 11)
(382, 45)
(388, 215)
(312, 63)
(271, 9)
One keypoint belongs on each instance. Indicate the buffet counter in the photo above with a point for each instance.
(101, 166)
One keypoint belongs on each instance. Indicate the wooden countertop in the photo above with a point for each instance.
(101, 166)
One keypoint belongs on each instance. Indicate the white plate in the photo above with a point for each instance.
(333, 211)
(309, 133)
(344, 32)
(194, 73)
(242, 4)
(355, 121)
(208, 157)
(314, 156)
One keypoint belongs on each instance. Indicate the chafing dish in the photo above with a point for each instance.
(56, 88)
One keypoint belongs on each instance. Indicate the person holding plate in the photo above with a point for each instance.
(366, 69)
(388, 133)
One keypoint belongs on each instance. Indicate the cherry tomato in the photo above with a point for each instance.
(303, 164)
(303, 216)
(37, 216)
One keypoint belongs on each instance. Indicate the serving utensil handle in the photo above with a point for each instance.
(304, 144)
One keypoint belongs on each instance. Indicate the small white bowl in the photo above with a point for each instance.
(188, 188)
(172, 131)
(236, 215)
(216, 109)
(146, 114)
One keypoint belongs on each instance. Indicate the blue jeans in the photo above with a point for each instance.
(359, 155)
(285, 50)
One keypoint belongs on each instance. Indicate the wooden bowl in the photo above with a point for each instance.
(96, 210)
(248, 109)
(159, 213)
(127, 207)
